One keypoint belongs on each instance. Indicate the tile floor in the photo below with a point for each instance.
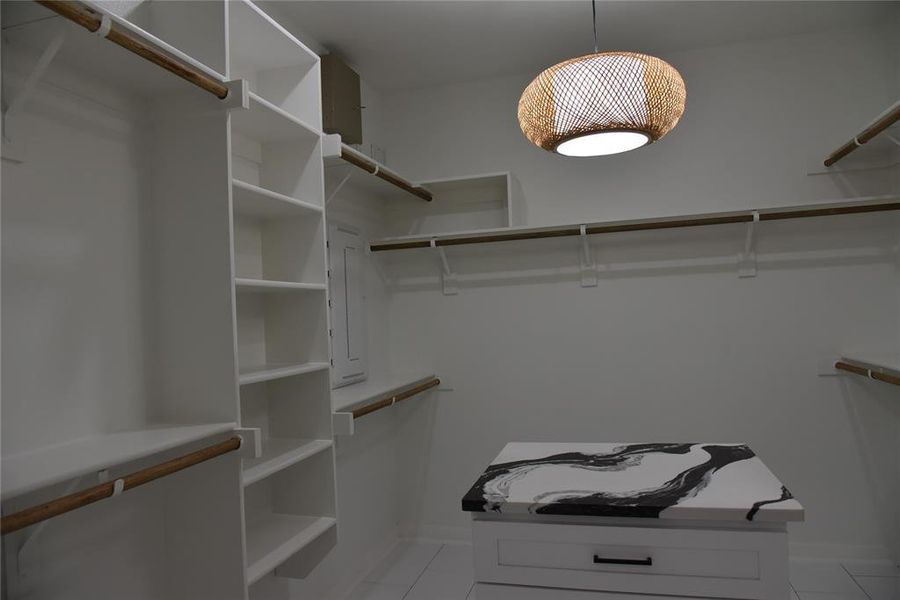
(433, 571)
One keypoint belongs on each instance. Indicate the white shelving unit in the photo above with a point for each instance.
(118, 206)
(281, 303)
(184, 298)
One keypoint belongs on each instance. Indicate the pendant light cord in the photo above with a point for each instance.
(594, 20)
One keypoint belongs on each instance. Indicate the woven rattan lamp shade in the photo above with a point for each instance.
(634, 98)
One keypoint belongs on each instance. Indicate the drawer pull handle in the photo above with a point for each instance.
(646, 562)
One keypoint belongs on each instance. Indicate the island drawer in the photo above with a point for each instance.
(716, 563)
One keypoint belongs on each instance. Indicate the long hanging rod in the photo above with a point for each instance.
(890, 116)
(775, 214)
(885, 377)
(92, 20)
(393, 399)
(359, 160)
(64, 504)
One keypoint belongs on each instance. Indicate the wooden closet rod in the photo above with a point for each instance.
(64, 504)
(92, 20)
(643, 225)
(375, 169)
(891, 116)
(393, 399)
(867, 372)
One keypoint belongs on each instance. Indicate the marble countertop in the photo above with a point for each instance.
(649, 480)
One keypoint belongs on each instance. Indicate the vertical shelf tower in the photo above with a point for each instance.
(281, 305)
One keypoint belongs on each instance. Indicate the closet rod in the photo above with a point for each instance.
(641, 225)
(64, 504)
(92, 20)
(867, 372)
(888, 118)
(359, 160)
(393, 399)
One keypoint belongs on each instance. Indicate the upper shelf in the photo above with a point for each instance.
(380, 180)
(29, 471)
(30, 26)
(888, 120)
(258, 43)
(874, 204)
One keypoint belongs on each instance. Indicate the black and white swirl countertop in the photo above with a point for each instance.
(671, 481)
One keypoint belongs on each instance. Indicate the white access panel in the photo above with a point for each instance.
(348, 328)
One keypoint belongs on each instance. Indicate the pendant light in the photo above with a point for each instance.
(602, 103)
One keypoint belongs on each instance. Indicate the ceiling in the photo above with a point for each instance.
(401, 44)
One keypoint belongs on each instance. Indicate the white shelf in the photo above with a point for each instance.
(254, 201)
(272, 538)
(348, 396)
(884, 363)
(269, 372)
(278, 454)
(94, 56)
(259, 43)
(243, 284)
(332, 148)
(39, 468)
(264, 122)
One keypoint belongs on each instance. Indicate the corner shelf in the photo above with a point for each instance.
(272, 538)
(368, 174)
(278, 454)
(254, 201)
(345, 399)
(35, 469)
(270, 372)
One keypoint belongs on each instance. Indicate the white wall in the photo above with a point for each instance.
(671, 345)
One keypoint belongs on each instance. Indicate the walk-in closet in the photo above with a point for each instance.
(450, 300)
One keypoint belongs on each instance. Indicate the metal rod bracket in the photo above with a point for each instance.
(238, 95)
(448, 277)
(251, 442)
(338, 187)
(746, 262)
(587, 265)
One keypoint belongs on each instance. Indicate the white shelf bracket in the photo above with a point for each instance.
(338, 187)
(23, 558)
(12, 147)
(448, 277)
(251, 442)
(342, 423)
(746, 261)
(238, 95)
(587, 264)
(376, 264)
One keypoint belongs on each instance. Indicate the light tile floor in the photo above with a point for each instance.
(433, 571)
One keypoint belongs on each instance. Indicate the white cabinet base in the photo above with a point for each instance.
(490, 591)
(548, 557)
